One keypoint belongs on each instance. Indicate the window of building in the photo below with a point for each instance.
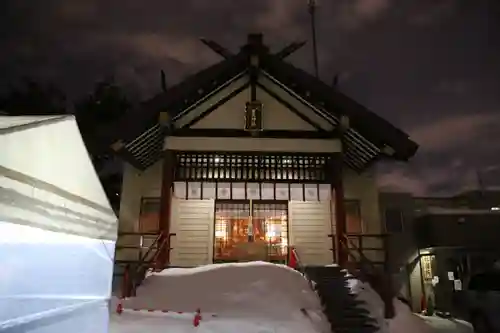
(149, 219)
(393, 220)
(353, 217)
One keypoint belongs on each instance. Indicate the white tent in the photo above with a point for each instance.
(57, 230)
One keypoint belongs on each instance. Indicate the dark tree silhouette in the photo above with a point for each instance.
(95, 113)
(33, 98)
(98, 112)
(106, 104)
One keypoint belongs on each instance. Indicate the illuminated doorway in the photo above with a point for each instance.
(249, 230)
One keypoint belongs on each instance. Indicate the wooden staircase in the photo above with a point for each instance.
(341, 307)
(344, 312)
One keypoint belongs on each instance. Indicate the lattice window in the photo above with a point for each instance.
(252, 168)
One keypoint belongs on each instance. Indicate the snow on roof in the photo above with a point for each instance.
(459, 211)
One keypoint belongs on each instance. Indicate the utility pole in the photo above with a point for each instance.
(312, 12)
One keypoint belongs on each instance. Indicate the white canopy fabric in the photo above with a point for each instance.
(47, 179)
(57, 230)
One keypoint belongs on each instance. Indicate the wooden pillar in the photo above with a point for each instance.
(169, 162)
(337, 190)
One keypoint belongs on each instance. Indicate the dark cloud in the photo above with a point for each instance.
(430, 67)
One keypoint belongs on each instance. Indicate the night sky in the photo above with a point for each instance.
(431, 67)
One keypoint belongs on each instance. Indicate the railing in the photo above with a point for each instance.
(368, 270)
(359, 245)
(300, 266)
(370, 248)
(131, 246)
(135, 271)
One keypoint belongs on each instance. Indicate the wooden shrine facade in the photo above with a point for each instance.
(254, 122)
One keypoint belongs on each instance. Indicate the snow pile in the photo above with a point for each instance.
(252, 297)
(238, 289)
(438, 324)
(405, 321)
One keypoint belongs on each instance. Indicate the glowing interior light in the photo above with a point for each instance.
(216, 160)
(495, 208)
(221, 229)
(270, 234)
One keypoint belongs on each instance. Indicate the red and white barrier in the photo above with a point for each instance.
(119, 307)
(196, 319)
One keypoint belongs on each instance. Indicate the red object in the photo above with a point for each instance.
(197, 318)
(119, 308)
(423, 303)
(125, 283)
(294, 261)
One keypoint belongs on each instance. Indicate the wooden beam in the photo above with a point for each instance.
(236, 133)
(217, 105)
(289, 107)
(289, 49)
(254, 75)
(217, 48)
(252, 144)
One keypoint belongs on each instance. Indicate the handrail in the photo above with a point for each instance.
(358, 249)
(165, 241)
(136, 233)
(150, 248)
(132, 277)
(383, 286)
(301, 267)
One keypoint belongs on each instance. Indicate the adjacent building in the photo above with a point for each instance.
(437, 243)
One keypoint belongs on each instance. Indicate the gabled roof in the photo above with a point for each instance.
(368, 138)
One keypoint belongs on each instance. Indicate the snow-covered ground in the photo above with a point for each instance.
(253, 297)
(405, 321)
(152, 323)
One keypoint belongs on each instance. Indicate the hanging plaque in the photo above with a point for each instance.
(296, 192)
(253, 116)
(209, 191)
(194, 190)
(282, 192)
(180, 190)
(311, 192)
(238, 191)
(267, 191)
(224, 191)
(253, 191)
